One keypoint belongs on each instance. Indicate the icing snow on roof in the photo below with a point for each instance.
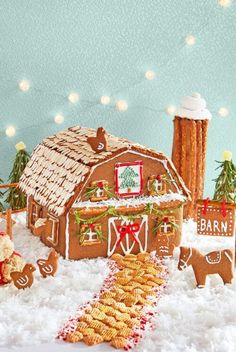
(193, 107)
(131, 202)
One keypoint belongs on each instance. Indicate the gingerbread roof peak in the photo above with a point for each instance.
(61, 164)
(193, 107)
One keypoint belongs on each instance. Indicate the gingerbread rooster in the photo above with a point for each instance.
(23, 279)
(48, 267)
(98, 143)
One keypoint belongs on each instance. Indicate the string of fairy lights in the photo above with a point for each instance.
(120, 105)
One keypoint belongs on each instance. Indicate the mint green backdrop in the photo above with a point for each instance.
(98, 47)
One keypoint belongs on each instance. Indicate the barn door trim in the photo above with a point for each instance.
(128, 240)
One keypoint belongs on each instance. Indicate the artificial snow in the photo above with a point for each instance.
(131, 202)
(189, 319)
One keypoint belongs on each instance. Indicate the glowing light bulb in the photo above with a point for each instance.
(150, 75)
(190, 40)
(105, 100)
(223, 112)
(73, 97)
(10, 131)
(170, 110)
(24, 85)
(121, 105)
(224, 3)
(59, 119)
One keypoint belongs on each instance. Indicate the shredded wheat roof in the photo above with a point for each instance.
(61, 162)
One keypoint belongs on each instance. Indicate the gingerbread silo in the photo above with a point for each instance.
(189, 146)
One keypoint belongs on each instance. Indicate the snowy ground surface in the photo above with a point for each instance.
(189, 319)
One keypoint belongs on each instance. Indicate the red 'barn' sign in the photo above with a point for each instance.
(215, 220)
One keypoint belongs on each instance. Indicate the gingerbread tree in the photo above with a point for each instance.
(15, 198)
(127, 177)
(225, 188)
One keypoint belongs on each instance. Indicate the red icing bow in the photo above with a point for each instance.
(127, 229)
(100, 184)
(158, 177)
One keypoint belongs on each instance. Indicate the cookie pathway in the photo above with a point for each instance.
(125, 305)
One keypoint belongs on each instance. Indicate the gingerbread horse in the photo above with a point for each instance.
(218, 262)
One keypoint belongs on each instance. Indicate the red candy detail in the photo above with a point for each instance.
(165, 219)
(92, 226)
(223, 208)
(205, 206)
(100, 184)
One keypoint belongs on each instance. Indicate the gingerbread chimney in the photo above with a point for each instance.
(189, 146)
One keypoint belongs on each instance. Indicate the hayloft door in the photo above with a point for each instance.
(52, 230)
(127, 234)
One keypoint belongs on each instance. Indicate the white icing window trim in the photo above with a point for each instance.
(53, 238)
(166, 228)
(91, 236)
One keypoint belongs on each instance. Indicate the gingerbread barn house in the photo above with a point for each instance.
(91, 195)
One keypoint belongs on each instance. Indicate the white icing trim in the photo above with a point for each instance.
(53, 238)
(163, 162)
(48, 269)
(129, 246)
(227, 255)
(23, 281)
(185, 262)
(217, 261)
(67, 237)
(131, 202)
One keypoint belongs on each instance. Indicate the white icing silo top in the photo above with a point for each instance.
(193, 107)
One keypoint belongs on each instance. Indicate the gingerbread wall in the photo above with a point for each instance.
(77, 251)
(106, 171)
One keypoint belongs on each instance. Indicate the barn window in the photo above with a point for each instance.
(156, 185)
(167, 225)
(98, 191)
(54, 227)
(36, 212)
(90, 234)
